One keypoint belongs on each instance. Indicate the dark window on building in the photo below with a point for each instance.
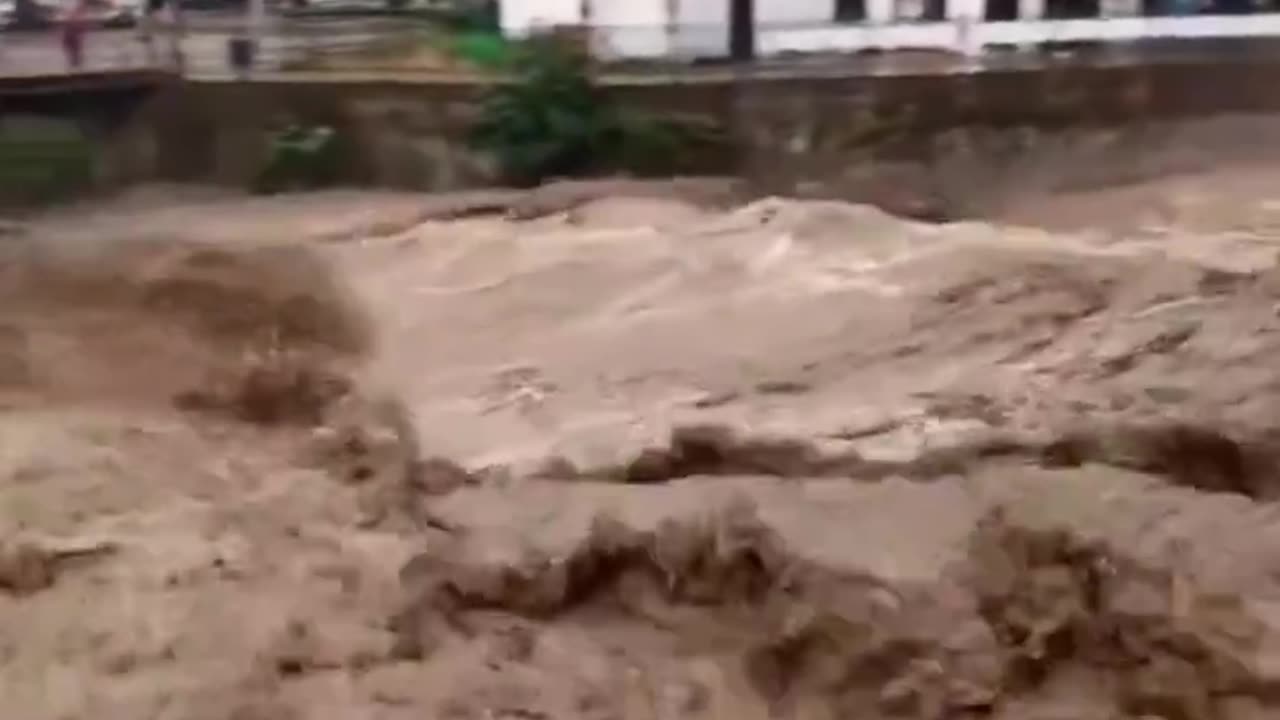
(1232, 7)
(1071, 9)
(851, 10)
(1002, 10)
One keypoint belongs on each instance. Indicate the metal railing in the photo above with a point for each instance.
(959, 35)
(199, 45)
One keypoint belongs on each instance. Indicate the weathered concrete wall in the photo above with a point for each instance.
(954, 144)
(391, 134)
(62, 134)
(847, 136)
(963, 141)
(403, 135)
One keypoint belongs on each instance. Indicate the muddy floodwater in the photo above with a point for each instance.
(643, 451)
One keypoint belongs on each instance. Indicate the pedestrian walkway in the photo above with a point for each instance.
(41, 53)
(202, 52)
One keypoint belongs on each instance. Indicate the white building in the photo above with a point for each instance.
(691, 29)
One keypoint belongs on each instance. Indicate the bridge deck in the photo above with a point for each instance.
(33, 64)
(54, 83)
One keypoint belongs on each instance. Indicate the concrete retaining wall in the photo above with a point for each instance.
(788, 131)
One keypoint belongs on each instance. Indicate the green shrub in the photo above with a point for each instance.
(482, 48)
(552, 121)
(301, 157)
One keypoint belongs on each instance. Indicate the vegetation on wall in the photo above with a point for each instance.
(476, 15)
(472, 34)
(481, 49)
(43, 161)
(300, 157)
(551, 120)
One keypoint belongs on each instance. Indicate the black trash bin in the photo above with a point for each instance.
(240, 54)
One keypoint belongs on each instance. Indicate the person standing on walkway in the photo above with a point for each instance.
(75, 25)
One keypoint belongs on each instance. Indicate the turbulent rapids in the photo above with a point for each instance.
(643, 451)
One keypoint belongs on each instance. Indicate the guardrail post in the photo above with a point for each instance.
(1030, 10)
(178, 58)
(254, 21)
(966, 14)
(880, 12)
(967, 41)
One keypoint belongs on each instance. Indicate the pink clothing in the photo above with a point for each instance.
(74, 26)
